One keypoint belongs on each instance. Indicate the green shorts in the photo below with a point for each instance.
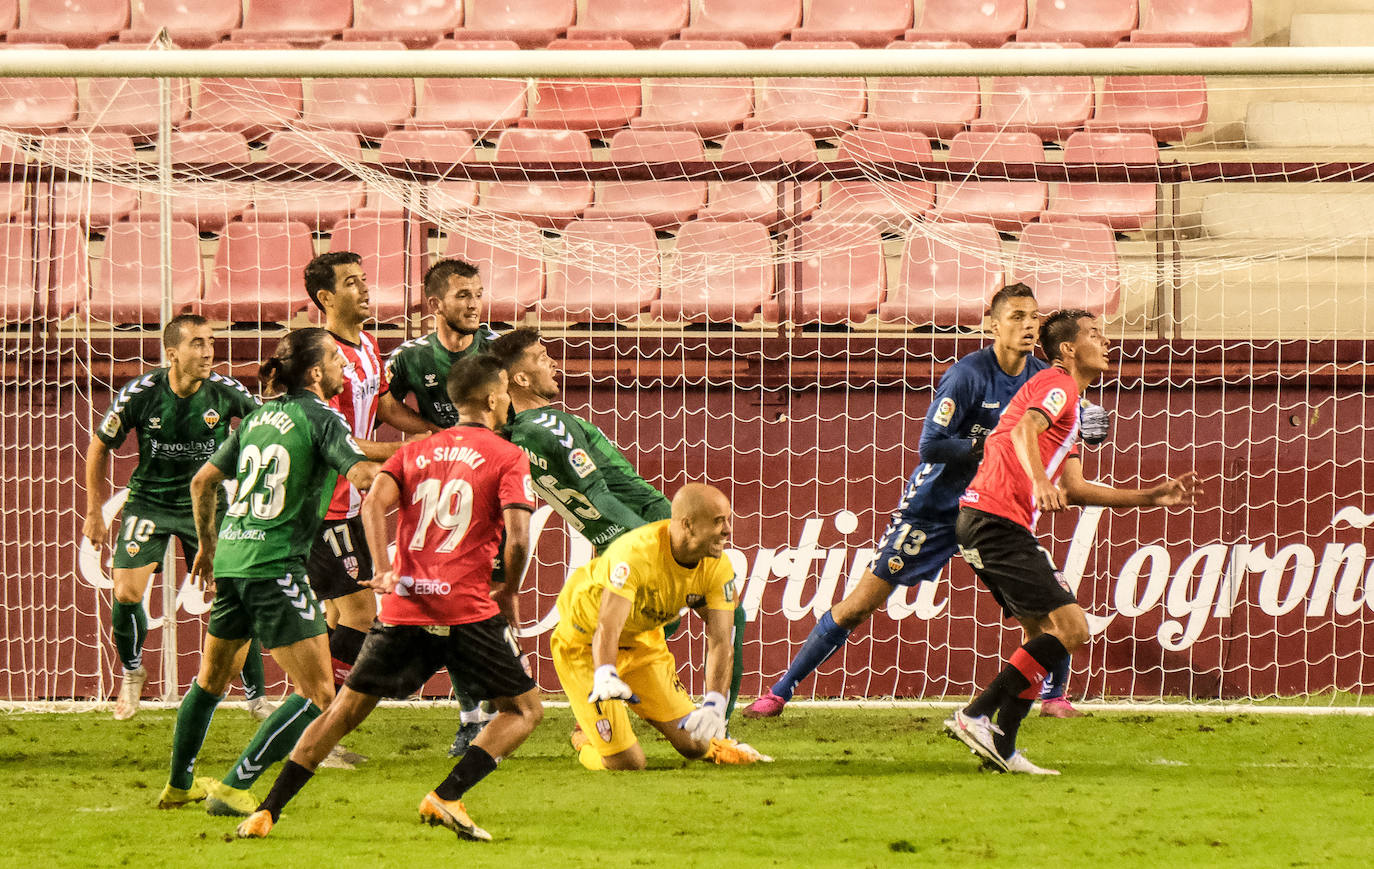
(277, 611)
(145, 531)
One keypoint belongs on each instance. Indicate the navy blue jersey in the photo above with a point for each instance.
(968, 402)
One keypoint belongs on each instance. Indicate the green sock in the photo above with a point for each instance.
(193, 719)
(254, 680)
(273, 741)
(737, 668)
(129, 624)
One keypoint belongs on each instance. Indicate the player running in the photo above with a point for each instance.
(455, 491)
(282, 457)
(609, 648)
(182, 414)
(1032, 466)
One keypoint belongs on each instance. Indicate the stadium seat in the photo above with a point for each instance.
(885, 203)
(303, 22)
(1094, 23)
(644, 23)
(1050, 106)
(209, 211)
(37, 106)
(1309, 124)
(209, 147)
(128, 105)
(17, 295)
(86, 147)
(869, 23)
(528, 23)
(758, 24)
(1070, 265)
(597, 107)
(289, 146)
(62, 271)
(662, 204)
(1123, 207)
(1008, 205)
(709, 107)
(546, 203)
(843, 273)
(190, 23)
(255, 107)
(128, 283)
(720, 271)
(821, 107)
(381, 242)
(368, 107)
(426, 146)
(987, 24)
(1331, 29)
(13, 201)
(479, 106)
(1215, 22)
(317, 204)
(9, 15)
(257, 277)
(73, 23)
(96, 204)
(1168, 107)
(758, 200)
(934, 107)
(450, 199)
(509, 255)
(609, 272)
(418, 25)
(948, 273)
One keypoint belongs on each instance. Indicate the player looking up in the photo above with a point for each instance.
(182, 414)
(455, 491)
(1032, 466)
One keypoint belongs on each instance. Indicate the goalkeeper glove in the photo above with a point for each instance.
(975, 450)
(707, 721)
(606, 685)
(1094, 423)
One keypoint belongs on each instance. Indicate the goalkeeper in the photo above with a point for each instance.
(578, 471)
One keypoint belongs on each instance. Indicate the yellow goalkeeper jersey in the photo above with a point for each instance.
(640, 566)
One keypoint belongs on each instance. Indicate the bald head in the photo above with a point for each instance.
(701, 523)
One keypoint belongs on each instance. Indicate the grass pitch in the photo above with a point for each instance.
(851, 787)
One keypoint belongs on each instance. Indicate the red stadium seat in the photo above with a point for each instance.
(208, 211)
(886, 203)
(721, 271)
(317, 204)
(757, 24)
(128, 105)
(381, 242)
(13, 202)
(190, 23)
(426, 146)
(368, 107)
(547, 203)
(209, 147)
(297, 21)
(62, 272)
(96, 204)
(128, 285)
(662, 204)
(1215, 22)
(418, 25)
(450, 199)
(843, 273)
(86, 147)
(1123, 207)
(255, 107)
(935, 107)
(948, 274)
(508, 253)
(37, 106)
(1168, 107)
(709, 107)
(9, 15)
(529, 23)
(758, 200)
(822, 107)
(257, 277)
(609, 272)
(1070, 265)
(1008, 205)
(73, 23)
(1050, 106)
(480, 106)
(644, 23)
(289, 146)
(594, 106)
(1095, 23)
(869, 23)
(985, 24)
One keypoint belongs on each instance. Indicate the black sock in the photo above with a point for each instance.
(344, 645)
(1009, 718)
(1036, 657)
(472, 767)
(289, 782)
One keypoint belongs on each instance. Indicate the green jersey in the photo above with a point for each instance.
(282, 456)
(582, 475)
(176, 435)
(421, 366)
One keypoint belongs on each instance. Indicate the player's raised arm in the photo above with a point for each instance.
(1180, 491)
(402, 417)
(941, 435)
(97, 491)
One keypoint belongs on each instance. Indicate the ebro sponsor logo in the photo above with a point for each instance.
(409, 586)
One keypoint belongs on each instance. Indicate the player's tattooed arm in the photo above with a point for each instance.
(97, 491)
(205, 487)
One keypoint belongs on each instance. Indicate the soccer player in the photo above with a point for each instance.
(282, 457)
(919, 539)
(182, 414)
(455, 491)
(580, 472)
(1032, 466)
(609, 648)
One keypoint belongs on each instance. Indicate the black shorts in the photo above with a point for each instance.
(396, 660)
(1017, 570)
(339, 560)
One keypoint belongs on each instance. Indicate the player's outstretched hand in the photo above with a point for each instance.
(1049, 498)
(203, 570)
(95, 529)
(1180, 491)
(383, 580)
(606, 685)
(707, 721)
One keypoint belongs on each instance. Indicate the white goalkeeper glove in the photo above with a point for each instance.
(606, 685)
(1094, 423)
(707, 721)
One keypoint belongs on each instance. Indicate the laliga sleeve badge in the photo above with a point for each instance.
(582, 463)
(619, 574)
(110, 427)
(944, 411)
(1055, 400)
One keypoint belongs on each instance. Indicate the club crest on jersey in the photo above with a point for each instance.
(894, 564)
(944, 411)
(603, 729)
(132, 548)
(211, 417)
(619, 574)
(350, 564)
(582, 463)
(110, 427)
(1055, 400)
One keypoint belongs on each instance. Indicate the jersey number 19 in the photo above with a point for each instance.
(449, 507)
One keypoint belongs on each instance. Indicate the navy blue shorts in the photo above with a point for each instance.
(913, 550)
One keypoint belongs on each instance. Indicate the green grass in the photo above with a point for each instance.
(850, 788)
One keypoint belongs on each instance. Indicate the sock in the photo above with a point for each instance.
(1057, 683)
(129, 624)
(590, 758)
(253, 677)
(274, 740)
(193, 719)
(825, 640)
(472, 767)
(1021, 677)
(344, 645)
(737, 668)
(289, 782)
(1009, 718)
